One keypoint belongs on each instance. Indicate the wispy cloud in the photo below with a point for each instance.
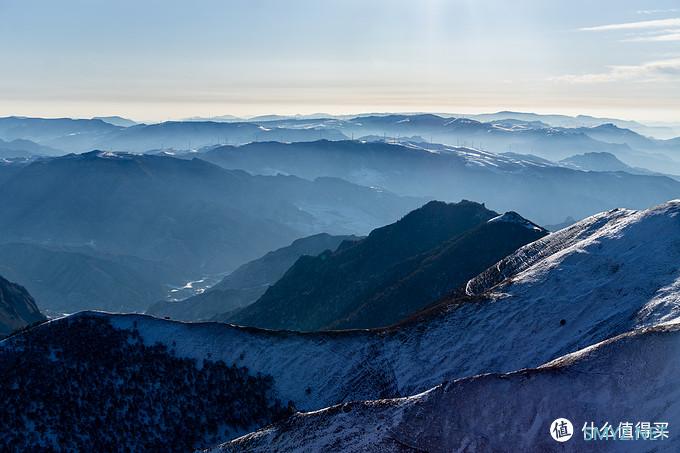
(640, 25)
(650, 71)
(665, 36)
(657, 11)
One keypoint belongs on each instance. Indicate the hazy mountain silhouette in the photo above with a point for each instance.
(64, 134)
(116, 121)
(578, 121)
(538, 189)
(20, 147)
(83, 135)
(525, 135)
(72, 279)
(189, 215)
(600, 162)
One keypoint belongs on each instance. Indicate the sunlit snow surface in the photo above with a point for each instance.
(631, 378)
(475, 157)
(513, 217)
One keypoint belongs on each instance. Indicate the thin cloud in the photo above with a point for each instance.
(650, 71)
(640, 25)
(668, 36)
(657, 11)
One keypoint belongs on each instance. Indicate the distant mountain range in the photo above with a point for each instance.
(612, 273)
(663, 131)
(64, 134)
(658, 131)
(82, 135)
(396, 271)
(541, 190)
(20, 147)
(247, 283)
(516, 153)
(17, 308)
(190, 216)
(511, 135)
(193, 135)
(601, 162)
(545, 136)
(116, 121)
(260, 118)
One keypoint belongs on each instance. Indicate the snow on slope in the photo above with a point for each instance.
(631, 378)
(606, 275)
(474, 157)
(614, 259)
(513, 217)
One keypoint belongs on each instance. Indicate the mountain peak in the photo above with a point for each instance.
(513, 217)
(436, 220)
(378, 280)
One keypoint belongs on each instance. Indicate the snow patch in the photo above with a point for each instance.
(513, 217)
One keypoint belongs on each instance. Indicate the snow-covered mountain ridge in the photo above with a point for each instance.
(621, 255)
(627, 379)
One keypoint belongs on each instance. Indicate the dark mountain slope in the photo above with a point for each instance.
(17, 308)
(9, 168)
(426, 278)
(67, 280)
(273, 265)
(395, 271)
(120, 405)
(247, 283)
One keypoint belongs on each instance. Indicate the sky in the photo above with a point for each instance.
(156, 60)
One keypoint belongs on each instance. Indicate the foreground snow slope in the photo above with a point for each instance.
(631, 378)
(604, 276)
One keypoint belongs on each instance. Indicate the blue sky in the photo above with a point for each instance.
(155, 60)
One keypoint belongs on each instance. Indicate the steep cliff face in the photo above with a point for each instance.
(17, 308)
